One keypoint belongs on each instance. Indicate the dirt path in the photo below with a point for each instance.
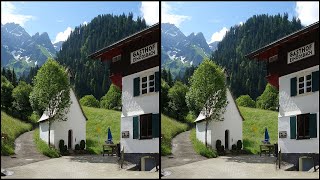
(182, 152)
(25, 152)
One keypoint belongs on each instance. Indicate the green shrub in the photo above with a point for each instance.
(218, 144)
(34, 118)
(200, 148)
(191, 117)
(77, 147)
(234, 147)
(89, 100)
(239, 145)
(269, 99)
(112, 100)
(61, 145)
(82, 144)
(246, 101)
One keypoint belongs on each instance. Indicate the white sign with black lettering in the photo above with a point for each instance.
(301, 53)
(144, 53)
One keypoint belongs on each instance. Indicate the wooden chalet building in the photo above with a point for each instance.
(134, 67)
(293, 68)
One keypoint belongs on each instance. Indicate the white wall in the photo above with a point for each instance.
(300, 104)
(232, 122)
(59, 129)
(134, 106)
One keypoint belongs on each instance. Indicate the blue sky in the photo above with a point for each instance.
(213, 19)
(59, 18)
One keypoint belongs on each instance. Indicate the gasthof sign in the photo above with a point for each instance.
(144, 53)
(301, 53)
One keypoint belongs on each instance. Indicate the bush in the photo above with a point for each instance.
(77, 147)
(269, 98)
(190, 118)
(82, 144)
(219, 147)
(239, 145)
(112, 100)
(34, 118)
(61, 145)
(246, 101)
(65, 149)
(218, 144)
(89, 100)
(234, 147)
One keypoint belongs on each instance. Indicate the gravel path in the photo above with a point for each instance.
(25, 152)
(182, 152)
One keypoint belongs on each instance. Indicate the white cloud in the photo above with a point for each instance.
(307, 12)
(217, 36)
(60, 20)
(85, 23)
(150, 12)
(62, 36)
(8, 14)
(168, 17)
(240, 23)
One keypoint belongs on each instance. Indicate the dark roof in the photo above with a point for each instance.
(123, 41)
(283, 40)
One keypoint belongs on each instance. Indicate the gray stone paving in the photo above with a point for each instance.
(242, 166)
(82, 166)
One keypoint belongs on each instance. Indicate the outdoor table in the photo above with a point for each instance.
(106, 148)
(266, 147)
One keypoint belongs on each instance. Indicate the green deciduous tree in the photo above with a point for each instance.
(6, 93)
(112, 100)
(246, 101)
(177, 104)
(269, 99)
(164, 96)
(51, 92)
(207, 92)
(89, 100)
(21, 101)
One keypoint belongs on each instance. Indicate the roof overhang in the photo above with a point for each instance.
(116, 48)
(271, 49)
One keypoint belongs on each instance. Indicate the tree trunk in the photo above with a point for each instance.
(206, 132)
(49, 133)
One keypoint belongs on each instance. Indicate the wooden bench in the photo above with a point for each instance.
(109, 149)
(267, 148)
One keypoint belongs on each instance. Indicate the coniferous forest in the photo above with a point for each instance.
(247, 76)
(92, 76)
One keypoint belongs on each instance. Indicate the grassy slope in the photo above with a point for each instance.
(200, 148)
(43, 147)
(254, 125)
(169, 128)
(101, 119)
(13, 128)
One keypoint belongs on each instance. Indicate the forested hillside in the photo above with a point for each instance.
(91, 76)
(246, 76)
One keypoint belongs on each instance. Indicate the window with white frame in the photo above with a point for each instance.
(305, 84)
